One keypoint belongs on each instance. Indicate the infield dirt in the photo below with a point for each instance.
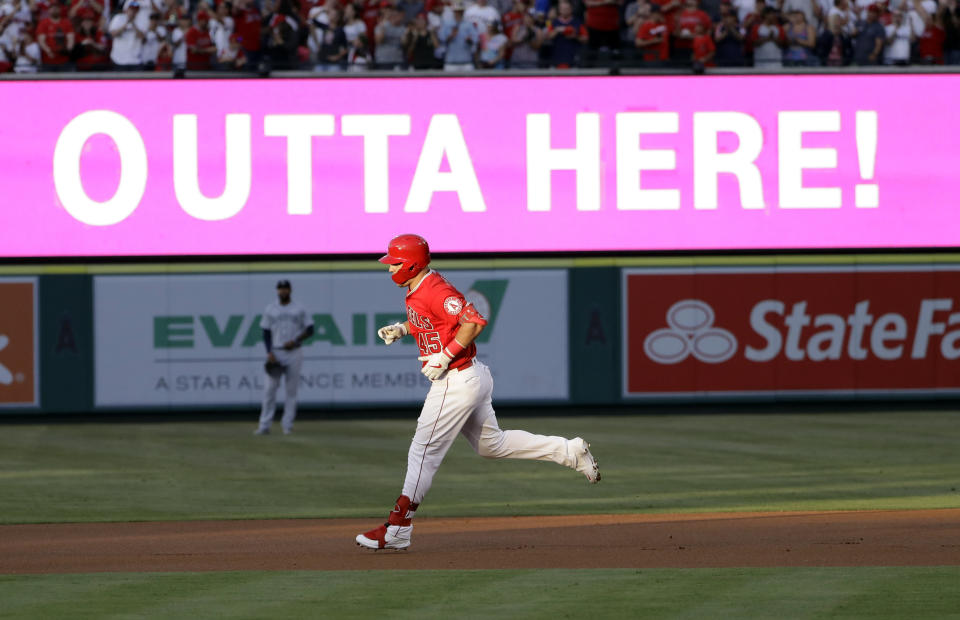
(872, 538)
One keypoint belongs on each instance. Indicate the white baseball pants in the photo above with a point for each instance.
(292, 361)
(461, 402)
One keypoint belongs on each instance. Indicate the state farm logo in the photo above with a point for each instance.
(6, 377)
(691, 332)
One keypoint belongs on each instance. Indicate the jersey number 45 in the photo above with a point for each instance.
(429, 343)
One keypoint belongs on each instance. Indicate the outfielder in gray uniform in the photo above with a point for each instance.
(285, 326)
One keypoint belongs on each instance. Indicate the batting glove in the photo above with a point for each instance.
(435, 366)
(391, 333)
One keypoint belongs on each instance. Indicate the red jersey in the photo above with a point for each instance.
(93, 58)
(651, 30)
(605, 17)
(436, 310)
(930, 44)
(668, 16)
(370, 16)
(687, 19)
(87, 9)
(702, 46)
(511, 20)
(247, 27)
(198, 38)
(56, 39)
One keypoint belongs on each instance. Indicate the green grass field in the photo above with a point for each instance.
(780, 593)
(353, 468)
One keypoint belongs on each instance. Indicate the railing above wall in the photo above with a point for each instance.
(599, 71)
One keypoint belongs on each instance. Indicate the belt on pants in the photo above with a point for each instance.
(468, 364)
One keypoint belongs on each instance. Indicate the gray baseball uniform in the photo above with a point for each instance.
(286, 322)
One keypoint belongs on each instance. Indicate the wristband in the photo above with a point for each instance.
(453, 349)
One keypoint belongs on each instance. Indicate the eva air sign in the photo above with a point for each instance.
(187, 331)
(190, 340)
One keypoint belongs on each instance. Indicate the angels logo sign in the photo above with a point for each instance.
(18, 342)
(453, 305)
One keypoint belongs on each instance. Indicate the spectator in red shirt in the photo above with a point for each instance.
(247, 26)
(80, 9)
(514, 18)
(930, 44)
(56, 37)
(91, 46)
(669, 8)
(603, 24)
(371, 17)
(653, 37)
(704, 48)
(684, 28)
(200, 47)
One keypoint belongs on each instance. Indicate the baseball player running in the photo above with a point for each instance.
(445, 326)
(285, 326)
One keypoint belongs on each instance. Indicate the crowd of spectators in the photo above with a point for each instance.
(459, 35)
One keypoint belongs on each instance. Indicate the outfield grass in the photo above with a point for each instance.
(354, 468)
(784, 593)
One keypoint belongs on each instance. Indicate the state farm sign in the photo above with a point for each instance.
(748, 330)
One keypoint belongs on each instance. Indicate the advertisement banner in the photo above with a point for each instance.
(792, 330)
(253, 167)
(19, 378)
(186, 340)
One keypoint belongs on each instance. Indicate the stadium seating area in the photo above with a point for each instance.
(337, 35)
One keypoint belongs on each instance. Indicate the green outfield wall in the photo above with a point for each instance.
(580, 331)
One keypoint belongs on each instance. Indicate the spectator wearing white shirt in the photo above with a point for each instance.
(8, 21)
(842, 18)
(481, 15)
(178, 39)
(353, 26)
(154, 39)
(435, 20)
(768, 40)
(744, 8)
(919, 15)
(859, 7)
(358, 45)
(22, 11)
(27, 54)
(233, 56)
(493, 48)
(222, 26)
(900, 37)
(127, 38)
(145, 8)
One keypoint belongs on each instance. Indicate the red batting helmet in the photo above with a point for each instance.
(411, 251)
